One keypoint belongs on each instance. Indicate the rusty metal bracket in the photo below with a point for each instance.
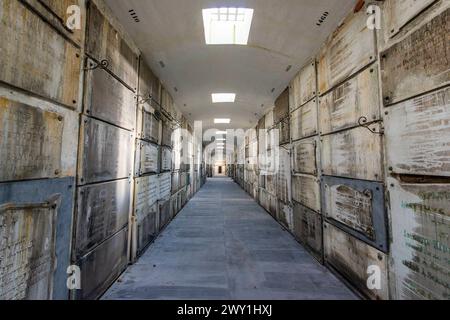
(157, 115)
(363, 122)
(144, 98)
(359, 5)
(175, 124)
(286, 120)
(104, 64)
(162, 111)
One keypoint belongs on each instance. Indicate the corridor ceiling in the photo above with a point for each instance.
(283, 33)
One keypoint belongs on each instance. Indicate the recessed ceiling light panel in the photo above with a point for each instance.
(222, 121)
(227, 25)
(223, 97)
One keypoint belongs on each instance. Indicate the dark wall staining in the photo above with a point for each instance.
(364, 163)
(42, 103)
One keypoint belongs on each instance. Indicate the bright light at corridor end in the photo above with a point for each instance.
(223, 97)
(227, 25)
(222, 121)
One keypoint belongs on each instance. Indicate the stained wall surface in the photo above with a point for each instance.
(368, 152)
(84, 181)
(99, 159)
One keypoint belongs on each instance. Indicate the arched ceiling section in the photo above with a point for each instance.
(283, 33)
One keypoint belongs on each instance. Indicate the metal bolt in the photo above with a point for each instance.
(56, 172)
(60, 118)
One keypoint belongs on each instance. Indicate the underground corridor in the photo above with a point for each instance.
(224, 150)
(224, 246)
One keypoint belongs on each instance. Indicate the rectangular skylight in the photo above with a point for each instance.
(223, 121)
(223, 97)
(227, 25)
(221, 132)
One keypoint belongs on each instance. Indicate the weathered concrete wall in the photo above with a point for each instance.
(370, 152)
(40, 98)
(106, 154)
(415, 55)
(84, 180)
(352, 151)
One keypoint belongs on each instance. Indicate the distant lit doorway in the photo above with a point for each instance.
(220, 169)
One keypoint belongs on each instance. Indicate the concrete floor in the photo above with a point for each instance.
(223, 245)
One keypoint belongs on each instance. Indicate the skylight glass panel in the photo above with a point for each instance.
(223, 97)
(227, 25)
(222, 121)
